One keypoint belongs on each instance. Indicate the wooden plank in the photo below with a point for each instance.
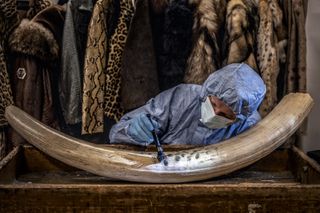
(242, 191)
(306, 170)
(37, 161)
(9, 165)
(160, 198)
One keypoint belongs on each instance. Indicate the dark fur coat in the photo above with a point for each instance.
(35, 47)
(172, 32)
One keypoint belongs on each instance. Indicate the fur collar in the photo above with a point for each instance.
(33, 39)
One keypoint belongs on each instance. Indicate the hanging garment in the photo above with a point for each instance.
(70, 80)
(172, 32)
(178, 110)
(112, 107)
(205, 56)
(35, 48)
(81, 13)
(138, 70)
(102, 72)
(95, 65)
(295, 76)
(271, 50)
(242, 23)
(9, 20)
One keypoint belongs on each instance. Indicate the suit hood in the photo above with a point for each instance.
(238, 85)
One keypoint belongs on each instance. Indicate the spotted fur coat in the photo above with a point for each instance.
(295, 76)
(272, 44)
(102, 67)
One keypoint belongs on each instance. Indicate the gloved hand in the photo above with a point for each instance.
(140, 128)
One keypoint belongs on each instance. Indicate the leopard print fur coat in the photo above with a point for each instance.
(102, 79)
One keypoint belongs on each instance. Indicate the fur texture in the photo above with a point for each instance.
(205, 55)
(270, 51)
(140, 84)
(295, 78)
(95, 64)
(176, 44)
(33, 39)
(241, 28)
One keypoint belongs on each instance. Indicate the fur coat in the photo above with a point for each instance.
(240, 33)
(35, 47)
(172, 32)
(272, 44)
(138, 70)
(102, 69)
(95, 64)
(295, 76)
(205, 56)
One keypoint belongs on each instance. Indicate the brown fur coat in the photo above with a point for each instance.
(295, 76)
(35, 53)
(240, 38)
(205, 56)
(271, 50)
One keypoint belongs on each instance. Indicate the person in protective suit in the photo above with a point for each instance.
(224, 106)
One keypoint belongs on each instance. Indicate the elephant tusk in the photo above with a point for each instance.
(183, 166)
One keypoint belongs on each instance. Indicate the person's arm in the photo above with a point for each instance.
(158, 108)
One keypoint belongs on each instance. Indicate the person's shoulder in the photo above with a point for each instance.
(188, 88)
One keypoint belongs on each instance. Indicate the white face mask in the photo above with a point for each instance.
(209, 117)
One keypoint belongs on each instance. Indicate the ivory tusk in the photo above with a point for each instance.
(183, 166)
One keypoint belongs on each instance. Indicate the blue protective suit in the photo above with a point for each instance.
(177, 110)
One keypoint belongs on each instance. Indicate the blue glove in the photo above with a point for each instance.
(140, 128)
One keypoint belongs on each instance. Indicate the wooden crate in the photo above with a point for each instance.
(285, 181)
